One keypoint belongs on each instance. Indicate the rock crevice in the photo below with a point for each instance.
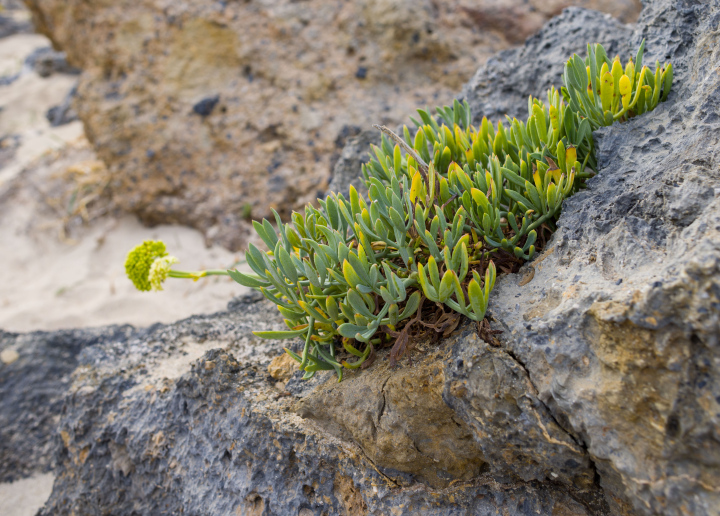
(602, 398)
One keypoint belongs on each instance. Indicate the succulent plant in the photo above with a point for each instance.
(601, 91)
(442, 202)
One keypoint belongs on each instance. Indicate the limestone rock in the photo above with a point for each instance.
(282, 367)
(204, 110)
(400, 421)
(347, 169)
(490, 390)
(619, 327)
(32, 389)
(503, 85)
(601, 398)
(183, 418)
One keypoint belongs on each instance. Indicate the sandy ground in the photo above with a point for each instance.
(23, 127)
(47, 284)
(25, 497)
(53, 277)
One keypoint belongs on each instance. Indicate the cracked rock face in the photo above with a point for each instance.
(400, 421)
(185, 418)
(602, 396)
(204, 110)
(491, 391)
(619, 327)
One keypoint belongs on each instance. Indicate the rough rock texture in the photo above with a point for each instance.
(205, 109)
(347, 169)
(35, 370)
(185, 419)
(619, 327)
(603, 396)
(490, 390)
(503, 85)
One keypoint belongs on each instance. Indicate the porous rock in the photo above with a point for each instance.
(347, 169)
(202, 108)
(601, 397)
(503, 85)
(35, 373)
(619, 327)
(184, 419)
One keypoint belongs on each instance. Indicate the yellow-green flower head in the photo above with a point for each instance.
(159, 271)
(140, 260)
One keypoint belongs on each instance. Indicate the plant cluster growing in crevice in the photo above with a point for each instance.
(445, 202)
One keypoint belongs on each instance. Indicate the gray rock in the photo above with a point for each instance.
(63, 113)
(348, 168)
(619, 327)
(491, 391)
(46, 61)
(32, 388)
(184, 419)
(503, 85)
(603, 396)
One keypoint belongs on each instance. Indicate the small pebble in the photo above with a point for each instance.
(8, 356)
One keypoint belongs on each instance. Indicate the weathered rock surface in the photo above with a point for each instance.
(347, 169)
(35, 374)
(203, 110)
(603, 396)
(619, 327)
(503, 85)
(184, 419)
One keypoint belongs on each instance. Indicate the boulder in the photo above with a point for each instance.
(186, 418)
(205, 111)
(618, 328)
(35, 374)
(347, 169)
(601, 396)
(503, 85)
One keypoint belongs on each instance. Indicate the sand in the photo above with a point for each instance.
(46, 284)
(25, 497)
(60, 271)
(51, 278)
